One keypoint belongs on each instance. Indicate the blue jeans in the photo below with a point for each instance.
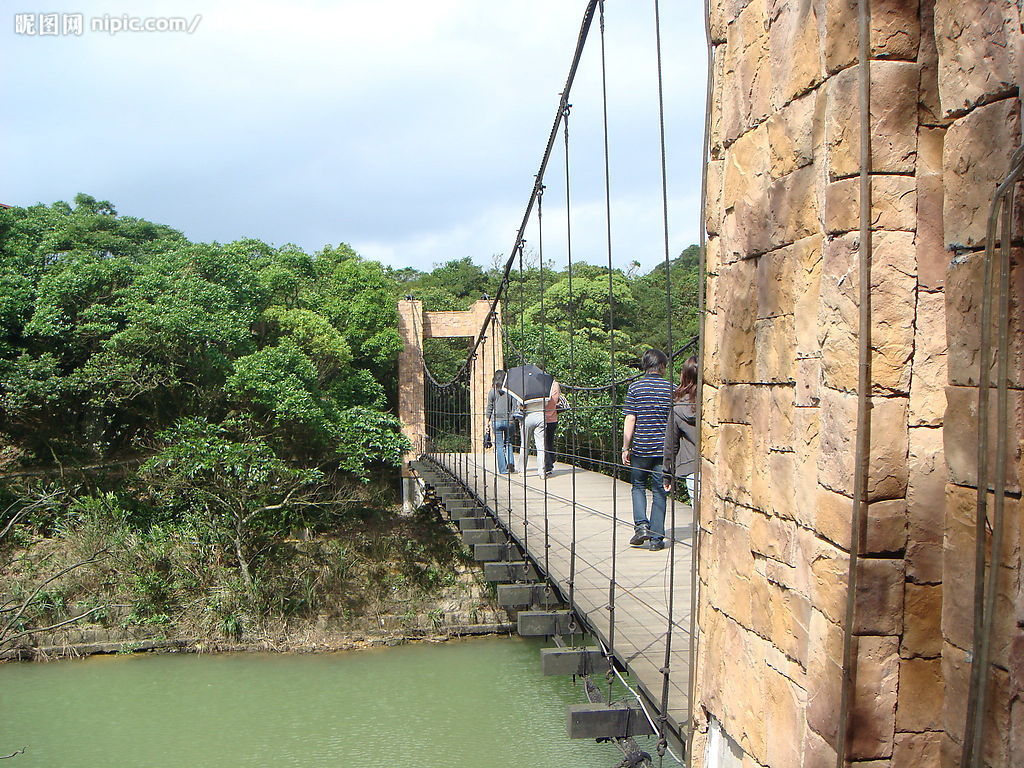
(644, 470)
(503, 444)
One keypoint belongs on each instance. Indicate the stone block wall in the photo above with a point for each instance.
(780, 402)
(978, 70)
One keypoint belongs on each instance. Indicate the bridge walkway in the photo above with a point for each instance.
(527, 505)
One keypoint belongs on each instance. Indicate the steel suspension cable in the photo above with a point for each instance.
(986, 588)
(572, 351)
(611, 342)
(588, 18)
(522, 305)
(667, 668)
(524, 439)
(496, 330)
(543, 356)
(863, 444)
(466, 417)
(540, 249)
(508, 476)
(525, 436)
(695, 502)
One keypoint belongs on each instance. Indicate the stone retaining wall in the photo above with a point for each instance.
(464, 608)
(780, 400)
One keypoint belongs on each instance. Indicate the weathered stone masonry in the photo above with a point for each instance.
(781, 377)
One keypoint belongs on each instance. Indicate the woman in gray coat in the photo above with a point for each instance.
(499, 414)
(681, 435)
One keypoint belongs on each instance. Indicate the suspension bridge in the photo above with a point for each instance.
(800, 658)
(557, 544)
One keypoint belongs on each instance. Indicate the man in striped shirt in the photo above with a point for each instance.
(647, 407)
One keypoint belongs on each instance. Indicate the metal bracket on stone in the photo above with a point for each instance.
(606, 721)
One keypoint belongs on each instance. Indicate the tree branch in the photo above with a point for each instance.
(34, 504)
(59, 624)
(10, 523)
(28, 601)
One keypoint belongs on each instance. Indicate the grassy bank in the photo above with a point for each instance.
(364, 568)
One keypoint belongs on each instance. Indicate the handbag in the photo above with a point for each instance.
(563, 405)
(487, 439)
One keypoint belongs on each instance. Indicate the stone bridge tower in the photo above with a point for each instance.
(780, 403)
(415, 325)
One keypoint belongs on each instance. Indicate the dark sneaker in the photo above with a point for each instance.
(639, 538)
(656, 545)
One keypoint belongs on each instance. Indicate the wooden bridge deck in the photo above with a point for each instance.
(643, 586)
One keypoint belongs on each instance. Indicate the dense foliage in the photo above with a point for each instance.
(113, 329)
(213, 396)
(574, 328)
(186, 406)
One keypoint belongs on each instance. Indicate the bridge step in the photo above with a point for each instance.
(450, 495)
(572, 661)
(482, 536)
(601, 721)
(519, 570)
(456, 503)
(545, 623)
(490, 552)
(464, 513)
(459, 497)
(519, 595)
(476, 524)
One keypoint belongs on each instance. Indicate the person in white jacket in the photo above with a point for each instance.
(535, 423)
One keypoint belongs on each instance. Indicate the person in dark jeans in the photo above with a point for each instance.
(550, 427)
(647, 408)
(499, 414)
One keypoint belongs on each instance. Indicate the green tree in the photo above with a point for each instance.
(113, 329)
(233, 488)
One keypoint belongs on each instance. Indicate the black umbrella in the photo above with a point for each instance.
(528, 382)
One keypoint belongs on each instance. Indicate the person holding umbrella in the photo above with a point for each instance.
(532, 388)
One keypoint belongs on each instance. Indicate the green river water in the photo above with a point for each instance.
(480, 703)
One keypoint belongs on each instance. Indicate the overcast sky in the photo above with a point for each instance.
(408, 129)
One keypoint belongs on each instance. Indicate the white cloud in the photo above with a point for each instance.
(409, 129)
